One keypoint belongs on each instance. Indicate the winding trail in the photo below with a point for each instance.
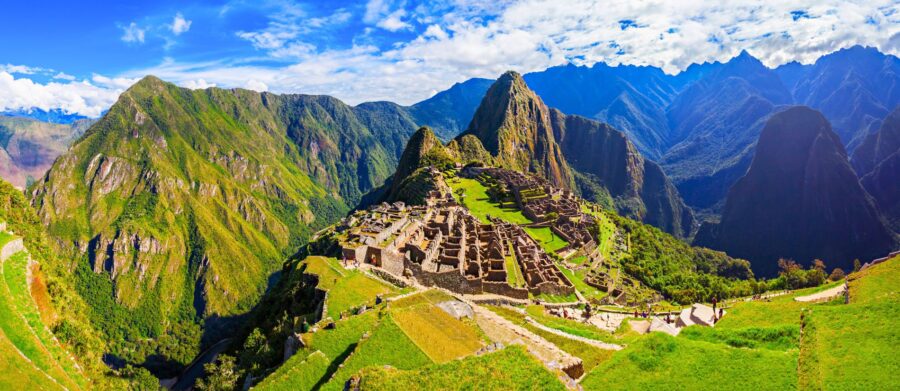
(824, 295)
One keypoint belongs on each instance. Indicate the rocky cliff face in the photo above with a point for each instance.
(638, 187)
(514, 126)
(800, 199)
(877, 162)
(186, 201)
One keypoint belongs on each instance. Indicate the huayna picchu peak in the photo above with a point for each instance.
(455, 195)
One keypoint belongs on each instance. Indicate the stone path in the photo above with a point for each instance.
(502, 330)
(824, 295)
(594, 342)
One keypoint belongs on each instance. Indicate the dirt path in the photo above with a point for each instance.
(824, 295)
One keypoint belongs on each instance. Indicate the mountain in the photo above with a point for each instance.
(854, 88)
(178, 205)
(55, 116)
(715, 123)
(602, 155)
(449, 112)
(800, 199)
(630, 98)
(877, 162)
(513, 125)
(28, 146)
(518, 131)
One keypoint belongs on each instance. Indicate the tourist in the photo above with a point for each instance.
(721, 312)
(714, 301)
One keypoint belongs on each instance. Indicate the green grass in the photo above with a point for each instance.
(509, 369)
(340, 340)
(853, 346)
(514, 275)
(14, 272)
(546, 238)
(479, 204)
(300, 372)
(660, 361)
(441, 336)
(590, 355)
(432, 296)
(18, 330)
(577, 278)
(387, 345)
(783, 338)
(347, 289)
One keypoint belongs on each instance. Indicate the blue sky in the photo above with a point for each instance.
(78, 56)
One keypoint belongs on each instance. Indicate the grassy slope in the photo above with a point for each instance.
(19, 332)
(853, 346)
(387, 345)
(660, 361)
(509, 369)
(347, 289)
(439, 335)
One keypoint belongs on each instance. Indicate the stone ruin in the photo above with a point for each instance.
(442, 244)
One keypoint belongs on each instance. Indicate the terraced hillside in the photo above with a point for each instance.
(29, 349)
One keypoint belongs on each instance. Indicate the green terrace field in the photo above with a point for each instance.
(509, 369)
(27, 347)
(408, 333)
(347, 289)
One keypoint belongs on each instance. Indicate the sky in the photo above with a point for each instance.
(78, 56)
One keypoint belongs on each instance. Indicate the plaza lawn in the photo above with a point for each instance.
(546, 238)
(577, 278)
(387, 345)
(509, 369)
(480, 205)
(441, 336)
(431, 296)
(573, 327)
(660, 361)
(513, 273)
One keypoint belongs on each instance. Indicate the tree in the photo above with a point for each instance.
(837, 274)
(221, 375)
(818, 264)
(140, 379)
(856, 265)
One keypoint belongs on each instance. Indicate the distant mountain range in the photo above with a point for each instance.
(702, 124)
(55, 116)
(28, 146)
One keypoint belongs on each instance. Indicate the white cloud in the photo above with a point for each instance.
(64, 76)
(180, 24)
(133, 34)
(21, 69)
(476, 38)
(74, 97)
(387, 15)
(198, 84)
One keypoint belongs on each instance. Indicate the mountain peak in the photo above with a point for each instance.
(513, 124)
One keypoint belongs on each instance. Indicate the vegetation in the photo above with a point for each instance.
(663, 361)
(510, 369)
(590, 355)
(439, 335)
(387, 345)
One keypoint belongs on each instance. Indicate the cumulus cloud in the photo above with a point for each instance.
(21, 69)
(457, 40)
(133, 34)
(198, 84)
(180, 25)
(82, 98)
(475, 38)
(64, 76)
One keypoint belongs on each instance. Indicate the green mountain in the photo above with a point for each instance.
(520, 132)
(514, 126)
(178, 205)
(29, 146)
(877, 162)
